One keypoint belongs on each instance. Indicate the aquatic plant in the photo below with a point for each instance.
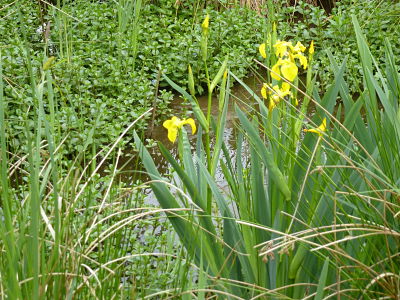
(302, 210)
(175, 124)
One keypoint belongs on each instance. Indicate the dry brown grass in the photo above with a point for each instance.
(258, 4)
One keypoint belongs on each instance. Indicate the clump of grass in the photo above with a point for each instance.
(67, 231)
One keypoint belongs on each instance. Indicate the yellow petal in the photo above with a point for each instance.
(281, 48)
(302, 59)
(289, 70)
(271, 105)
(172, 134)
(264, 91)
(280, 94)
(276, 98)
(311, 49)
(285, 93)
(299, 48)
(167, 124)
(276, 89)
(190, 121)
(275, 71)
(172, 126)
(285, 87)
(171, 123)
(206, 22)
(262, 50)
(320, 129)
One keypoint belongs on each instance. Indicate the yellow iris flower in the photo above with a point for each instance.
(320, 129)
(277, 94)
(302, 59)
(311, 49)
(287, 53)
(289, 69)
(262, 50)
(174, 124)
(282, 48)
(205, 23)
(298, 48)
(285, 67)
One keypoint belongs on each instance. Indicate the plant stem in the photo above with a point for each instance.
(207, 145)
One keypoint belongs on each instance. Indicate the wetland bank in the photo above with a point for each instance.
(209, 101)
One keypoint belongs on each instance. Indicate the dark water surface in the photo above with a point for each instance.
(129, 167)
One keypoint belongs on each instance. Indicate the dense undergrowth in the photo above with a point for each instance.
(378, 19)
(108, 55)
(310, 213)
(310, 206)
(107, 58)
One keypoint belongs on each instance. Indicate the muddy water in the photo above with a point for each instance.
(238, 95)
(130, 169)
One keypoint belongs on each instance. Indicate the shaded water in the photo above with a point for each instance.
(238, 95)
(130, 169)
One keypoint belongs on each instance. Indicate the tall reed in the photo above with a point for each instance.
(66, 231)
(304, 215)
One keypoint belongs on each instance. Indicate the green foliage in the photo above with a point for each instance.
(334, 33)
(92, 235)
(174, 42)
(106, 65)
(303, 215)
(69, 229)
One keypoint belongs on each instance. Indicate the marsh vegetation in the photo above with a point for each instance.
(300, 202)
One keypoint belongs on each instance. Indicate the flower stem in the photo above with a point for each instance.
(207, 145)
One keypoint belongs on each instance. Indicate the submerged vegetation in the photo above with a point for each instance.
(309, 204)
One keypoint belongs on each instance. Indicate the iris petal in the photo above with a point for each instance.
(174, 124)
(299, 47)
(302, 59)
(285, 87)
(172, 134)
(275, 73)
(190, 121)
(264, 91)
(289, 70)
(320, 129)
(262, 51)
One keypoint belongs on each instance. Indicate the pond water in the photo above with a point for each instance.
(130, 169)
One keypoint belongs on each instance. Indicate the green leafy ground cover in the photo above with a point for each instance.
(107, 61)
(97, 238)
(378, 19)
